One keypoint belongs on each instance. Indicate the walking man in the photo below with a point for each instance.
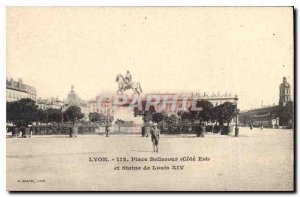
(155, 133)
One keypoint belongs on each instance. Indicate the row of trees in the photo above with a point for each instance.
(222, 114)
(100, 118)
(25, 111)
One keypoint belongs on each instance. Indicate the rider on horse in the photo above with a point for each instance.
(128, 78)
(126, 83)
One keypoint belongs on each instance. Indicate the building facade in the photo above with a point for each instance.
(16, 90)
(264, 116)
(53, 103)
(272, 116)
(185, 101)
(74, 99)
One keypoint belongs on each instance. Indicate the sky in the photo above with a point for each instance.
(242, 51)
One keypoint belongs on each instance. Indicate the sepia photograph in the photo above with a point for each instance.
(150, 99)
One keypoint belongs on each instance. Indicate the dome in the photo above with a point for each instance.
(72, 95)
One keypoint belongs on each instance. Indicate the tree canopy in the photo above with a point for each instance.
(100, 118)
(73, 113)
(224, 112)
(53, 115)
(22, 112)
(205, 114)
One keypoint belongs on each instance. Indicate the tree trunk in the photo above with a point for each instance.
(221, 124)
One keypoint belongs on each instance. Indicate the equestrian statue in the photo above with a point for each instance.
(127, 84)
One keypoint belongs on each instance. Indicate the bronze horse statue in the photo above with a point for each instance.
(123, 86)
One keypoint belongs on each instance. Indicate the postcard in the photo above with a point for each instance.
(150, 99)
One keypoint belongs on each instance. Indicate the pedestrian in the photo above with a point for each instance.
(155, 133)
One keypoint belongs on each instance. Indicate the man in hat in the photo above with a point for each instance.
(155, 133)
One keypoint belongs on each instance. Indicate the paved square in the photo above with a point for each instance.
(257, 160)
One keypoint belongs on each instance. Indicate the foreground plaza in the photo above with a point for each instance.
(256, 160)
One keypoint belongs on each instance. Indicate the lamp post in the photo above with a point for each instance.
(63, 109)
(62, 114)
(106, 106)
(236, 130)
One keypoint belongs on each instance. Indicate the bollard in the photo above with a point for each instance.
(236, 134)
(73, 131)
(143, 131)
(15, 132)
(26, 133)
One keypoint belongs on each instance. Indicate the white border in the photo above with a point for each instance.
(3, 5)
(149, 3)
